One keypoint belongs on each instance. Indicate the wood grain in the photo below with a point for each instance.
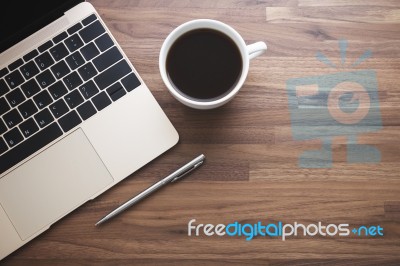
(252, 170)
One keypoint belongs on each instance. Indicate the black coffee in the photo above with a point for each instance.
(204, 64)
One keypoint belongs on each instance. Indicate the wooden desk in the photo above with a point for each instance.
(252, 170)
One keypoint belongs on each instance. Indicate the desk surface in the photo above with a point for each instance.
(252, 170)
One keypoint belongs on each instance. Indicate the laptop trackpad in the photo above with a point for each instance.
(52, 184)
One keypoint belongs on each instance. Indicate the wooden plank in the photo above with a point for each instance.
(339, 14)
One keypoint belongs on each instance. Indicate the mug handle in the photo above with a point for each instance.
(256, 49)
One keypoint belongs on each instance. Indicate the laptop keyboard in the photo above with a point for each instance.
(57, 86)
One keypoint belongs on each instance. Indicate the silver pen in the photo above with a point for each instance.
(184, 170)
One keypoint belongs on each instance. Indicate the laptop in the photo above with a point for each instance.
(75, 116)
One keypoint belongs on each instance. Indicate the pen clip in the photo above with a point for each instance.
(187, 171)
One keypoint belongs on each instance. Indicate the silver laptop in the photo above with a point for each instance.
(75, 116)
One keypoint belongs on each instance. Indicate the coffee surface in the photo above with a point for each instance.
(204, 64)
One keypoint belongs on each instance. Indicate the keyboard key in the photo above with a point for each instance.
(13, 137)
(116, 91)
(30, 88)
(12, 118)
(70, 121)
(59, 108)
(88, 89)
(92, 31)
(86, 110)
(3, 87)
(45, 46)
(44, 118)
(72, 81)
(29, 70)
(29, 146)
(101, 101)
(14, 79)
(27, 109)
(60, 69)
(104, 42)
(45, 79)
(60, 37)
(75, 60)
(3, 145)
(107, 59)
(130, 82)
(89, 20)
(89, 51)
(87, 71)
(58, 90)
(73, 43)
(59, 51)
(3, 127)
(4, 107)
(112, 74)
(29, 56)
(42, 99)
(44, 61)
(3, 72)
(74, 28)
(17, 63)
(73, 99)
(28, 127)
(15, 97)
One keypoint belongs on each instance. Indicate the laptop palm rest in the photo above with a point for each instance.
(72, 173)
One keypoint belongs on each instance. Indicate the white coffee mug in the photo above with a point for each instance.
(247, 52)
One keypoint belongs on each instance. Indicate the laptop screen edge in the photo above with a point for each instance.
(53, 14)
